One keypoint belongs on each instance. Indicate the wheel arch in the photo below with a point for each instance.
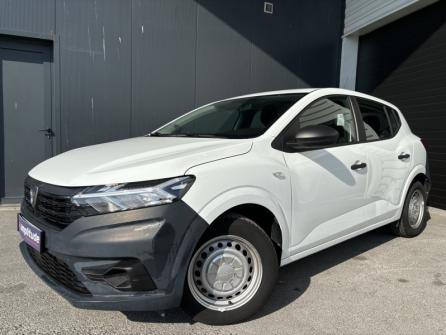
(418, 173)
(256, 204)
(423, 179)
(264, 218)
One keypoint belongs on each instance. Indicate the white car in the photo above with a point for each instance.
(203, 211)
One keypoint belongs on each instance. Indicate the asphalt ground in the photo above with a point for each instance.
(373, 284)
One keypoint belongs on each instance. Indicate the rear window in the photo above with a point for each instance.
(376, 122)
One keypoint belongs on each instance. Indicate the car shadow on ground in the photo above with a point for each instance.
(294, 279)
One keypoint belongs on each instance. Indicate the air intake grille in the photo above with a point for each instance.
(58, 270)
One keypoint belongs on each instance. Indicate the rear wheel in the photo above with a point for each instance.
(414, 216)
(231, 273)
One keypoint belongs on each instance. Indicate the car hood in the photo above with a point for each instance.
(135, 159)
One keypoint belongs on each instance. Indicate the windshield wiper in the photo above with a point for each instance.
(158, 134)
(187, 135)
(202, 135)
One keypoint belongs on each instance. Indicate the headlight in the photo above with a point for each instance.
(122, 197)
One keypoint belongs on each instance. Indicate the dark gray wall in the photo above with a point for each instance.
(413, 77)
(95, 77)
(122, 68)
(164, 57)
(36, 17)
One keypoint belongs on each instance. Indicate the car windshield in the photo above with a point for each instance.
(236, 118)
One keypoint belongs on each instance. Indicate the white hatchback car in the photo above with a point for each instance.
(203, 211)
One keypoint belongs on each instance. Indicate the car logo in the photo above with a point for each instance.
(33, 195)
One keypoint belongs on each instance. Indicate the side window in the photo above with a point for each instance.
(375, 120)
(395, 121)
(334, 112)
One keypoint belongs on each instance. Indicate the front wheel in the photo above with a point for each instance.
(231, 273)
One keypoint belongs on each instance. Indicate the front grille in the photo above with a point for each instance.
(53, 204)
(57, 210)
(58, 270)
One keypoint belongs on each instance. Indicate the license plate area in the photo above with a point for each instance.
(30, 234)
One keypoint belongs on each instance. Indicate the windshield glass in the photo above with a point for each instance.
(236, 118)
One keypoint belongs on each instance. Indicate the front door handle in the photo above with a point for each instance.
(359, 166)
(403, 156)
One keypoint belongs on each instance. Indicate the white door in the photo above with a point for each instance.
(390, 155)
(328, 185)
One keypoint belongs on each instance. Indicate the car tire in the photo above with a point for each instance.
(232, 272)
(415, 215)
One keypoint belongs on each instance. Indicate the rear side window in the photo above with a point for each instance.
(376, 122)
(395, 122)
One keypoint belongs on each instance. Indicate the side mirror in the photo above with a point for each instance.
(312, 138)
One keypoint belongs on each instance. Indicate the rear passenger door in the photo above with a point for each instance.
(389, 154)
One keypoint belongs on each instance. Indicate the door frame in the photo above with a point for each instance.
(30, 44)
(296, 249)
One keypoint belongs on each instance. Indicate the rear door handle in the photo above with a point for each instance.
(359, 166)
(403, 156)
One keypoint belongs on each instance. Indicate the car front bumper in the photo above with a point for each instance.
(127, 261)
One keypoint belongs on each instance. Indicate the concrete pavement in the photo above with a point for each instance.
(373, 284)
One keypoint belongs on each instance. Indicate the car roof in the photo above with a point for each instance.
(321, 91)
(290, 91)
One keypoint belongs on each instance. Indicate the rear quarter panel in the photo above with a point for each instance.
(418, 159)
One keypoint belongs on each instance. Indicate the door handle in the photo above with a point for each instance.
(359, 166)
(48, 132)
(403, 156)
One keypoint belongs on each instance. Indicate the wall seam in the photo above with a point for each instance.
(131, 70)
(59, 84)
(251, 57)
(196, 56)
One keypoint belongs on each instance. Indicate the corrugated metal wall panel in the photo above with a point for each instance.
(122, 68)
(277, 57)
(163, 54)
(365, 16)
(289, 51)
(95, 83)
(28, 16)
(267, 52)
(223, 53)
(360, 13)
(413, 77)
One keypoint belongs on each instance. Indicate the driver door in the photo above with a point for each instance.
(328, 184)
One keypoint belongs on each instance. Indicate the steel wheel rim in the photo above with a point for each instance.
(416, 209)
(225, 273)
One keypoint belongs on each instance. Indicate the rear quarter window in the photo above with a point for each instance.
(395, 121)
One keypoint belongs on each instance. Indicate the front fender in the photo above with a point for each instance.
(247, 195)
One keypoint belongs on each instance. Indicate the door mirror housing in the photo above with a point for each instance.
(313, 138)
